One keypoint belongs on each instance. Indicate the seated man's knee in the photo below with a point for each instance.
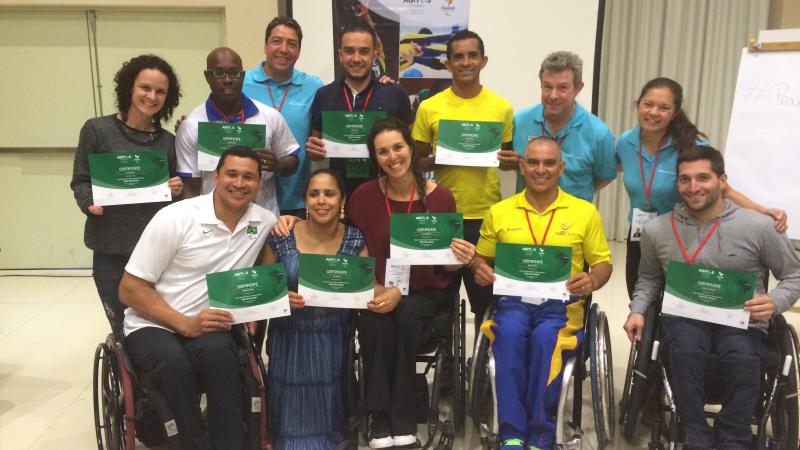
(216, 348)
(684, 336)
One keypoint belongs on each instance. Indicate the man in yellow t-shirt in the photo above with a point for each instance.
(474, 188)
(533, 336)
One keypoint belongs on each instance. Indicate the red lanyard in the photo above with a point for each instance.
(227, 119)
(272, 99)
(546, 230)
(680, 243)
(545, 133)
(386, 198)
(350, 105)
(647, 186)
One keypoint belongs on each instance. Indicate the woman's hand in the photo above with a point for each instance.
(296, 300)
(386, 301)
(464, 250)
(95, 210)
(284, 225)
(780, 219)
(175, 186)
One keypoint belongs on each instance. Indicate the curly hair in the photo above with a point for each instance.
(125, 77)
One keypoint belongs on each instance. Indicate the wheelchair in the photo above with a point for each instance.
(594, 350)
(126, 407)
(443, 353)
(775, 419)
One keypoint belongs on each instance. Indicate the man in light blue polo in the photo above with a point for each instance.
(587, 144)
(278, 84)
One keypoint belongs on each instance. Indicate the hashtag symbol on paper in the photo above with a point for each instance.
(757, 93)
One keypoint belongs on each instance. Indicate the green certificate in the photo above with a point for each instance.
(535, 271)
(253, 293)
(336, 281)
(345, 133)
(213, 138)
(424, 238)
(469, 143)
(708, 294)
(130, 177)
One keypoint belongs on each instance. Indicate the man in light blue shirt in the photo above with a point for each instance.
(278, 84)
(587, 144)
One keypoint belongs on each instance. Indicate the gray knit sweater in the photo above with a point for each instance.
(745, 241)
(118, 229)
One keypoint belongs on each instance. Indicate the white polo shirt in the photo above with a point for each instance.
(185, 241)
(278, 138)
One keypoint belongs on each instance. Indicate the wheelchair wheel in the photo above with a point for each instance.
(459, 369)
(636, 389)
(482, 403)
(783, 413)
(601, 375)
(109, 414)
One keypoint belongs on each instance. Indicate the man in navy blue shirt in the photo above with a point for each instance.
(358, 91)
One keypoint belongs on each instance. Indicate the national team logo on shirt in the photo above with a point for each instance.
(252, 231)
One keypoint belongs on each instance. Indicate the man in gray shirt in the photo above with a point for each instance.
(707, 230)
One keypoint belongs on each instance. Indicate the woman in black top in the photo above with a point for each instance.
(147, 92)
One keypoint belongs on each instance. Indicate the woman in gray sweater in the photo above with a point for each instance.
(147, 92)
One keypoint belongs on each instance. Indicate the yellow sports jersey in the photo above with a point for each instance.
(474, 188)
(576, 223)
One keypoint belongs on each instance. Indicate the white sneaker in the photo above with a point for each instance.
(381, 442)
(400, 441)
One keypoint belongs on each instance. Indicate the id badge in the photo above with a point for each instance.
(639, 217)
(397, 275)
(357, 168)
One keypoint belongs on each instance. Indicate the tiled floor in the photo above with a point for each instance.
(49, 328)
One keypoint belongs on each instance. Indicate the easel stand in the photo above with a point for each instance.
(754, 46)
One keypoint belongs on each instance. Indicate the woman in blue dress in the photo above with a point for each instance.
(647, 155)
(307, 349)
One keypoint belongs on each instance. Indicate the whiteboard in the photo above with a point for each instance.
(762, 157)
(518, 34)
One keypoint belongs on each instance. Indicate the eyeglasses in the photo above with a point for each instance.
(219, 73)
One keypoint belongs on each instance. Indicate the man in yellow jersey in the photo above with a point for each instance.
(533, 336)
(474, 188)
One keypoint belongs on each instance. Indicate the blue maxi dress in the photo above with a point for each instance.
(306, 350)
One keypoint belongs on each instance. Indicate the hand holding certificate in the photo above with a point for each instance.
(254, 293)
(345, 133)
(532, 271)
(131, 177)
(213, 138)
(336, 281)
(424, 238)
(469, 143)
(708, 294)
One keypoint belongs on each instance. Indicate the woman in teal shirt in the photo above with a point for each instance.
(648, 153)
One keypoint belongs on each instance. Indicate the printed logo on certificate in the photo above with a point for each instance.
(123, 178)
(345, 133)
(532, 271)
(249, 294)
(424, 238)
(336, 281)
(469, 143)
(708, 294)
(213, 138)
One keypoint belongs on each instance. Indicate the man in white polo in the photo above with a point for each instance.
(170, 331)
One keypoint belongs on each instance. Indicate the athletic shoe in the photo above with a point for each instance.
(380, 435)
(512, 444)
(404, 440)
